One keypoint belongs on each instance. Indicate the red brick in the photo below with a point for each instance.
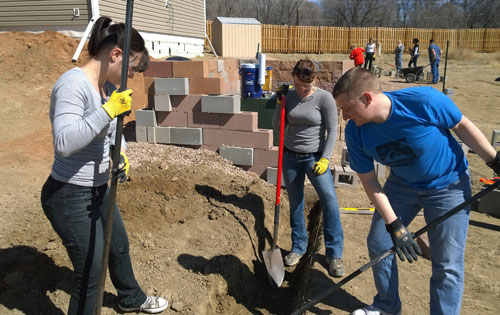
(203, 120)
(190, 69)
(149, 86)
(232, 67)
(186, 103)
(218, 137)
(259, 139)
(232, 87)
(159, 69)
(206, 86)
(172, 119)
(244, 121)
(266, 157)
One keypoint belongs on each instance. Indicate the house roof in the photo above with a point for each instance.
(235, 20)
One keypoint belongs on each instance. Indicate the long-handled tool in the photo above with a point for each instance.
(389, 252)
(116, 160)
(272, 258)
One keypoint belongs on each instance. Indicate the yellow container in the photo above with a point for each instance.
(268, 83)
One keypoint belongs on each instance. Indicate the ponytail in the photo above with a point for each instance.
(107, 34)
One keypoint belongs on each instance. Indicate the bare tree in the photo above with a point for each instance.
(311, 14)
(481, 13)
(360, 13)
(355, 13)
(278, 11)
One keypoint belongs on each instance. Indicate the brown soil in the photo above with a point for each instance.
(197, 224)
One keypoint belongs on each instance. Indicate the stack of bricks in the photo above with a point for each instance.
(197, 104)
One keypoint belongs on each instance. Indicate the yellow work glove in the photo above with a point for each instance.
(123, 168)
(282, 90)
(118, 103)
(321, 166)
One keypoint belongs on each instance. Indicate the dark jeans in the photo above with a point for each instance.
(369, 60)
(78, 215)
(435, 71)
(413, 60)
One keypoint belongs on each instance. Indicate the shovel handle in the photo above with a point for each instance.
(278, 176)
(280, 152)
(389, 252)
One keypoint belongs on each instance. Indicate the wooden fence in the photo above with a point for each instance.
(326, 39)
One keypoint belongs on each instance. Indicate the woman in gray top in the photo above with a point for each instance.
(83, 108)
(311, 131)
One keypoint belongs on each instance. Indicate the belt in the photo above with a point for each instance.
(285, 149)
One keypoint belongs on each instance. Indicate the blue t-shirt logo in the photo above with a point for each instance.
(396, 153)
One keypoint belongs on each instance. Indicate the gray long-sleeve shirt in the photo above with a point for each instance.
(82, 131)
(311, 123)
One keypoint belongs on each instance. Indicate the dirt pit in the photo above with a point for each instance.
(197, 224)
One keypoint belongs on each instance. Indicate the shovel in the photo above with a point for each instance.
(272, 257)
(116, 159)
(389, 252)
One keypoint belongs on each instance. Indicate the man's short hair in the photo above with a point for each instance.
(355, 82)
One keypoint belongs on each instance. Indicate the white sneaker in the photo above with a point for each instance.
(152, 305)
(292, 259)
(372, 310)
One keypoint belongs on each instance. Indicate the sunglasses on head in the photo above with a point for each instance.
(302, 72)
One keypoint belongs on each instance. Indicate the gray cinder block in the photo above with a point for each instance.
(162, 103)
(345, 157)
(490, 203)
(272, 175)
(141, 134)
(494, 138)
(171, 86)
(239, 156)
(145, 117)
(163, 135)
(186, 136)
(380, 170)
(222, 104)
(344, 176)
(151, 134)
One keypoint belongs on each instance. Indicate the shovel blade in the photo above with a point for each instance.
(274, 266)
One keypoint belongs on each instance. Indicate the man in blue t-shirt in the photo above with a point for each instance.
(409, 131)
(434, 58)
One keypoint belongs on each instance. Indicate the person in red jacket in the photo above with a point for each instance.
(357, 55)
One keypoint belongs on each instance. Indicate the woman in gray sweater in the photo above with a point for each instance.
(311, 131)
(83, 108)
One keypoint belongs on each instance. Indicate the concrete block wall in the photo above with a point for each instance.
(197, 103)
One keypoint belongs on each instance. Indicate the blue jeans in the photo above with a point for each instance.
(435, 71)
(78, 215)
(295, 168)
(446, 240)
(413, 60)
(399, 62)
